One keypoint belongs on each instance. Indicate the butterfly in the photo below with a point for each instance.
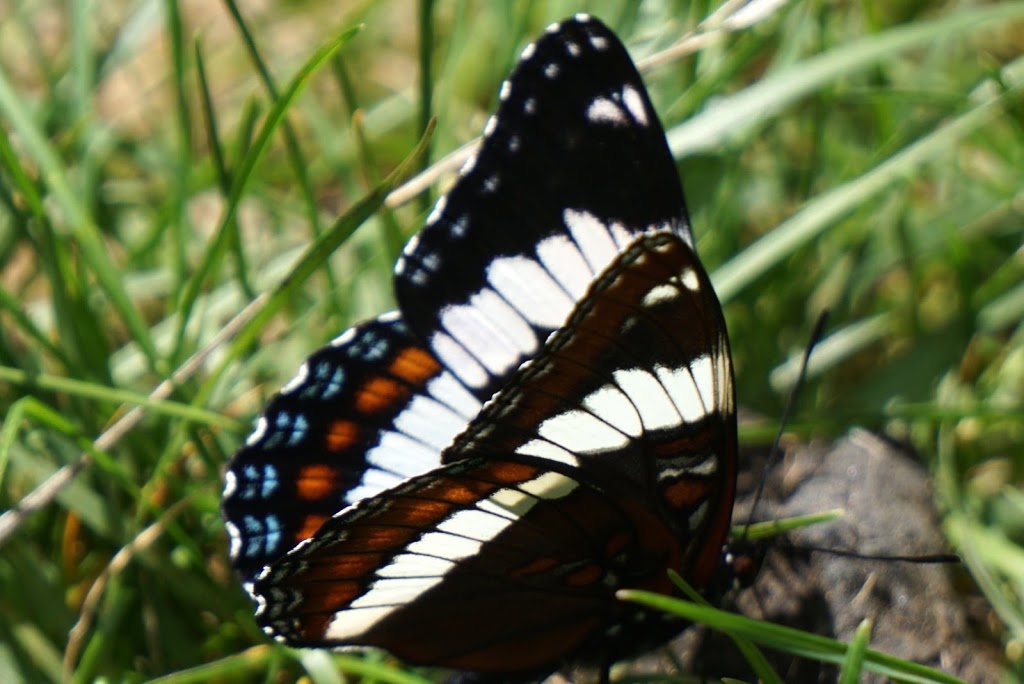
(547, 418)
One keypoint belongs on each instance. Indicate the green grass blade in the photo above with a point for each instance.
(243, 174)
(823, 212)
(75, 215)
(789, 640)
(732, 115)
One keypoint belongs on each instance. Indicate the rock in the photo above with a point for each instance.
(916, 612)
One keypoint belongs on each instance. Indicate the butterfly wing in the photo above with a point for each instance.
(609, 458)
(484, 564)
(364, 413)
(572, 167)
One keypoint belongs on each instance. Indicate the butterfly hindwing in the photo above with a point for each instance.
(484, 565)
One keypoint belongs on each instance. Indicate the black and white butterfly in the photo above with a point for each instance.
(548, 417)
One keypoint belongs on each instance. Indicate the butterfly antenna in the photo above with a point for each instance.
(816, 335)
(923, 559)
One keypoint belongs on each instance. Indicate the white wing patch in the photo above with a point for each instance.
(656, 408)
(544, 449)
(560, 257)
(504, 323)
(635, 104)
(401, 455)
(603, 110)
(429, 422)
(636, 402)
(723, 375)
(623, 108)
(685, 390)
(447, 390)
(455, 357)
(659, 294)
(579, 431)
(592, 237)
(529, 288)
(615, 408)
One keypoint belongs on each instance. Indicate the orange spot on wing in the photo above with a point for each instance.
(310, 525)
(508, 472)
(425, 512)
(341, 593)
(315, 482)
(459, 492)
(687, 493)
(384, 537)
(341, 568)
(616, 544)
(534, 567)
(415, 366)
(585, 577)
(322, 599)
(341, 434)
(378, 394)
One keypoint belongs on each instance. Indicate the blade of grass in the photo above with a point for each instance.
(732, 115)
(76, 215)
(817, 216)
(294, 150)
(247, 325)
(750, 652)
(243, 174)
(326, 244)
(178, 230)
(425, 101)
(831, 351)
(774, 528)
(789, 640)
(105, 393)
(853, 665)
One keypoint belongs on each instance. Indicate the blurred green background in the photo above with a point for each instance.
(163, 165)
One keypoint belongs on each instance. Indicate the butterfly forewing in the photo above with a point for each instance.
(520, 542)
(364, 413)
(572, 167)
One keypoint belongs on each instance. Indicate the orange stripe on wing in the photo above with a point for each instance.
(415, 366)
(310, 524)
(341, 434)
(380, 393)
(316, 481)
(536, 566)
(508, 472)
(587, 576)
(687, 493)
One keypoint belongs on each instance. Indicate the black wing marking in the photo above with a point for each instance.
(573, 166)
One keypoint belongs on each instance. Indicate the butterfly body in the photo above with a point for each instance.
(549, 418)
